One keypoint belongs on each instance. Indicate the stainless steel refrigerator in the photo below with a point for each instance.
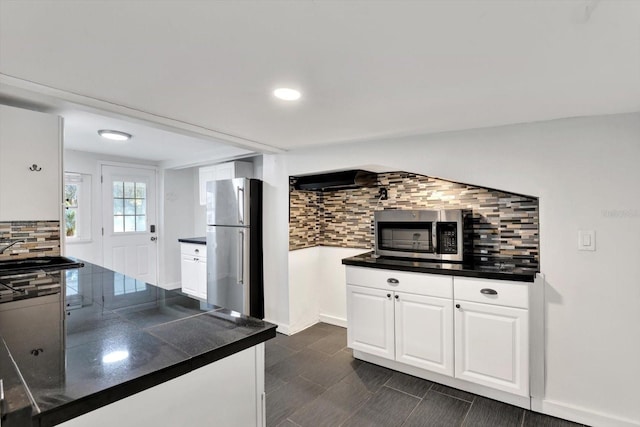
(234, 245)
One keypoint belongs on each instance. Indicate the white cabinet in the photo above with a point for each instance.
(193, 269)
(492, 334)
(221, 171)
(406, 327)
(30, 165)
(424, 332)
(370, 321)
(464, 332)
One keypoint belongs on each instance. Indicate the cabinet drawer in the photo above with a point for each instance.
(507, 293)
(193, 249)
(417, 283)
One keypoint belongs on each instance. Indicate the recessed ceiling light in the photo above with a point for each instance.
(287, 94)
(114, 135)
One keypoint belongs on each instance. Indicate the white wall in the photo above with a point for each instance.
(177, 213)
(585, 172)
(317, 289)
(304, 288)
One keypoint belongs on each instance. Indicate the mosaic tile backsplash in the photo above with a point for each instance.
(504, 224)
(42, 238)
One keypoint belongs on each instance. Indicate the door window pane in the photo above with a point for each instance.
(141, 223)
(129, 190)
(118, 191)
(118, 223)
(129, 223)
(141, 190)
(129, 206)
(118, 207)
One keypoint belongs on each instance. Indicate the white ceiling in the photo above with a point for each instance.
(366, 68)
(148, 143)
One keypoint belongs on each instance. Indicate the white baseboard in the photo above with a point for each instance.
(332, 320)
(580, 414)
(300, 327)
(282, 328)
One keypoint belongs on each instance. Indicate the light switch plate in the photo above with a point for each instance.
(586, 240)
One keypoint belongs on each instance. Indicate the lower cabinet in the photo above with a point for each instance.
(193, 269)
(492, 340)
(424, 332)
(370, 323)
(413, 329)
(469, 330)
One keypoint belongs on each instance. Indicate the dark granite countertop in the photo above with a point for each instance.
(196, 240)
(100, 336)
(485, 270)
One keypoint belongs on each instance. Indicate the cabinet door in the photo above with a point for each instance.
(492, 346)
(370, 321)
(424, 332)
(30, 171)
(201, 271)
(221, 171)
(189, 274)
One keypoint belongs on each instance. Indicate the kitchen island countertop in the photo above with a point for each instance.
(104, 336)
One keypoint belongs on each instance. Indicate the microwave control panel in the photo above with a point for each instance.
(447, 233)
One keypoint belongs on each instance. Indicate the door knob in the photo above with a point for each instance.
(154, 238)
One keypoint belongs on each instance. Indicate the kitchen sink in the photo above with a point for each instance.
(39, 263)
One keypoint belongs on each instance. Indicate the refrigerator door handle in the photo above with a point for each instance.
(241, 258)
(239, 190)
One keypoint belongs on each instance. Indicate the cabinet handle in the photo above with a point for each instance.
(457, 305)
(197, 251)
(389, 296)
(397, 297)
(488, 291)
(393, 281)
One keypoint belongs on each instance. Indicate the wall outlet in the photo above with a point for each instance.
(586, 240)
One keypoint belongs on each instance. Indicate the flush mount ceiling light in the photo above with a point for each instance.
(114, 135)
(287, 94)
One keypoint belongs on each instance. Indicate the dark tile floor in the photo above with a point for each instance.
(313, 380)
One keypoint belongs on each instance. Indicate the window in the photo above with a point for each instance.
(77, 203)
(129, 206)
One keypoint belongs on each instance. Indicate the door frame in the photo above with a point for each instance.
(159, 223)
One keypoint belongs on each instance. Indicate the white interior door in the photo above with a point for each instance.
(129, 221)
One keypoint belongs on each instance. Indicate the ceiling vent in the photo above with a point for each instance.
(335, 180)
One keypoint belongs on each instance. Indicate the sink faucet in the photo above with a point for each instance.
(10, 244)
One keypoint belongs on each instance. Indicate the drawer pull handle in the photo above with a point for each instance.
(197, 251)
(389, 296)
(393, 281)
(457, 305)
(488, 291)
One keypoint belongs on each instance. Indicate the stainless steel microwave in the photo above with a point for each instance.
(424, 234)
